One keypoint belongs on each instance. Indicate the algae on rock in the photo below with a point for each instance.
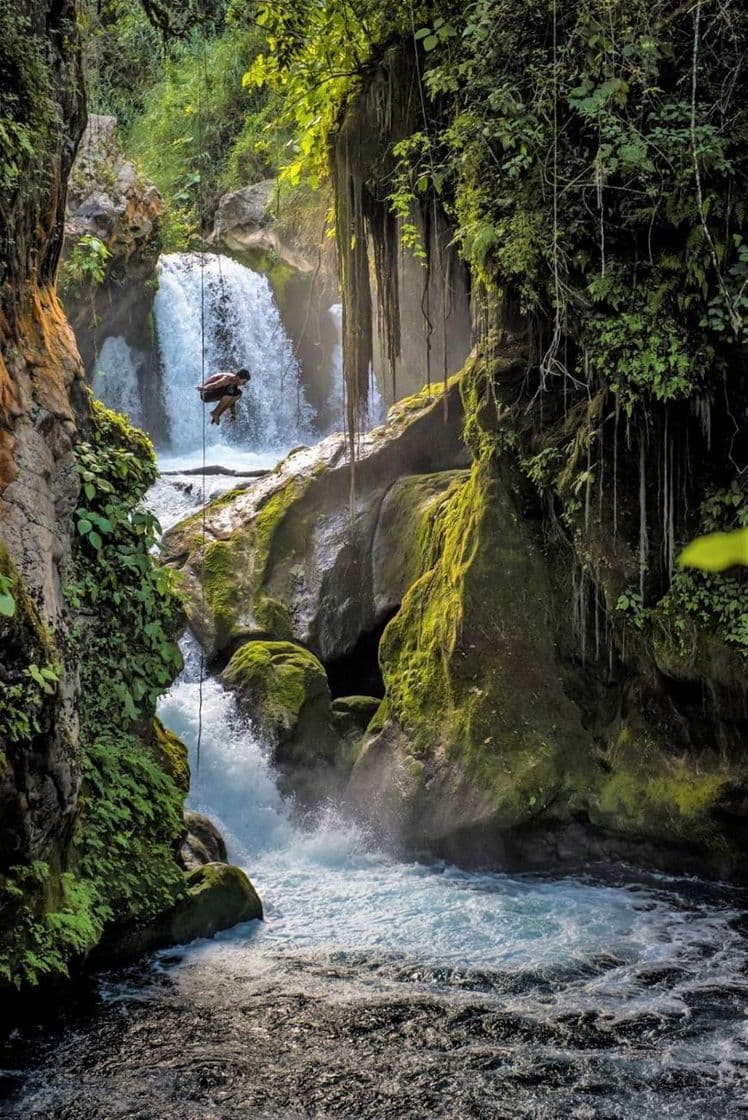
(288, 557)
(284, 689)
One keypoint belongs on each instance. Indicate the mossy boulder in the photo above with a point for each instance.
(353, 714)
(654, 784)
(480, 731)
(284, 689)
(407, 514)
(291, 556)
(218, 897)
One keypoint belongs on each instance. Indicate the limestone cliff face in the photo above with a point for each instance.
(81, 757)
(40, 403)
(110, 201)
(407, 316)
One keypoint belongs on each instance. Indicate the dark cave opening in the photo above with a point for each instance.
(357, 672)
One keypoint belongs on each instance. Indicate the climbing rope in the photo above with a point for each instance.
(203, 490)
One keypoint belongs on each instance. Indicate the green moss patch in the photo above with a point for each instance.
(231, 599)
(468, 662)
(279, 682)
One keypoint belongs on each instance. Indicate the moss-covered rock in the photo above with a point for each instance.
(353, 714)
(403, 530)
(218, 896)
(648, 788)
(172, 754)
(225, 574)
(283, 688)
(494, 726)
(482, 731)
(291, 556)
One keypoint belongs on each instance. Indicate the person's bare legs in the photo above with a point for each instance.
(223, 404)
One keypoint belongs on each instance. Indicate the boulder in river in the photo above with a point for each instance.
(283, 687)
(219, 896)
(301, 554)
(202, 844)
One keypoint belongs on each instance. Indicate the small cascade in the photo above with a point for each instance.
(336, 398)
(243, 328)
(115, 380)
(234, 782)
(376, 410)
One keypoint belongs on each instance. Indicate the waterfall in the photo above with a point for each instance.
(336, 398)
(242, 328)
(115, 380)
(376, 411)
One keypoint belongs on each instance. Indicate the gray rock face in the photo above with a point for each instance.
(40, 383)
(295, 556)
(244, 211)
(108, 198)
(243, 222)
(202, 844)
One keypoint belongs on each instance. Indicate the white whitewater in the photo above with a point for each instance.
(327, 891)
(115, 380)
(376, 411)
(243, 328)
(345, 920)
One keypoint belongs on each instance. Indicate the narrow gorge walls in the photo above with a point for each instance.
(91, 786)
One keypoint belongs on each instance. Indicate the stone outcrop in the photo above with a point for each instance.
(40, 385)
(496, 741)
(218, 896)
(283, 688)
(294, 557)
(109, 199)
(244, 221)
(202, 844)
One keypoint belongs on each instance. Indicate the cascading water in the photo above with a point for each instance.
(375, 412)
(116, 379)
(377, 988)
(243, 328)
(381, 988)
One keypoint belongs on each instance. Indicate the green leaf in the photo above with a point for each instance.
(430, 42)
(716, 551)
(90, 490)
(95, 539)
(7, 602)
(84, 526)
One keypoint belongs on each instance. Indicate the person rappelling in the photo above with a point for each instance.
(225, 388)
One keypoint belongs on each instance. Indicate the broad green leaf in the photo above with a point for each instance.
(716, 551)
